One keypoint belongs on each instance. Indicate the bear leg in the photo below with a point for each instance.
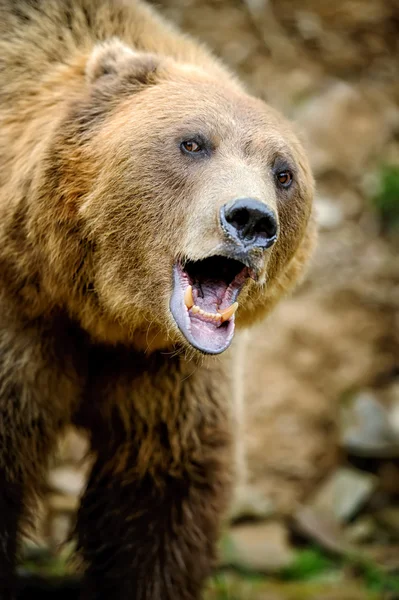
(37, 392)
(151, 537)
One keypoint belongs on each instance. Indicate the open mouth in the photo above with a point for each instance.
(203, 301)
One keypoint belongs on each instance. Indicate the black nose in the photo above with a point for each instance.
(249, 222)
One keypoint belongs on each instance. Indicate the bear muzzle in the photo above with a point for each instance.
(249, 224)
(205, 292)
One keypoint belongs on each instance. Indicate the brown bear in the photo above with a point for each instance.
(148, 206)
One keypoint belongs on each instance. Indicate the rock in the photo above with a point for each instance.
(344, 493)
(234, 586)
(249, 502)
(366, 428)
(386, 557)
(67, 480)
(260, 547)
(389, 518)
(62, 503)
(289, 437)
(60, 514)
(312, 350)
(281, 47)
(321, 527)
(328, 214)
(59, 529)
(392, 396)
(336, 501)
(362, 530)
(73, 447)
(346, 127)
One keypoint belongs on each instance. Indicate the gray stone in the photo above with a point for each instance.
(344, 493)
(260, 547)
(328, 214)
(249, 502)
(368, 428)
(67, 480)
(63, 503)
(362, 530)
(321, 527)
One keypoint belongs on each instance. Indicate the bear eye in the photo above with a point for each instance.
(190, 146)
(284, 178)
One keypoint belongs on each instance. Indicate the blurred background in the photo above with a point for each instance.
(318, 517)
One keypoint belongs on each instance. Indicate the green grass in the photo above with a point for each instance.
(386, 200)
(309, 564)
(313, 564)
(313, 575)
(374, 577)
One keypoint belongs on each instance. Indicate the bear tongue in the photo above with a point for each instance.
(202, 308)
(208, 295)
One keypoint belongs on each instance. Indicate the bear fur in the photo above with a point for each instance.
(97, 203)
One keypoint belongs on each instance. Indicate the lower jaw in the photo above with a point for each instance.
(207, 344)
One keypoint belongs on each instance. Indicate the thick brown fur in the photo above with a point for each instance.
(96, 204)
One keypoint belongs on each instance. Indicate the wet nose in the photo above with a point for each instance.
(249, 222)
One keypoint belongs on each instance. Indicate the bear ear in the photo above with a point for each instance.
(114, 58)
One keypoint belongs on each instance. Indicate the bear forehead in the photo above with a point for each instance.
(195, 105)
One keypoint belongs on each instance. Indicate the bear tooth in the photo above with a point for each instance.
(219, 317)
(227, 313)
(188, 297)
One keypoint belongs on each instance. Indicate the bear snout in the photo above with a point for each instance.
(249, 224)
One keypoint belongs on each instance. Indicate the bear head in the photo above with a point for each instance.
(173, 204)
